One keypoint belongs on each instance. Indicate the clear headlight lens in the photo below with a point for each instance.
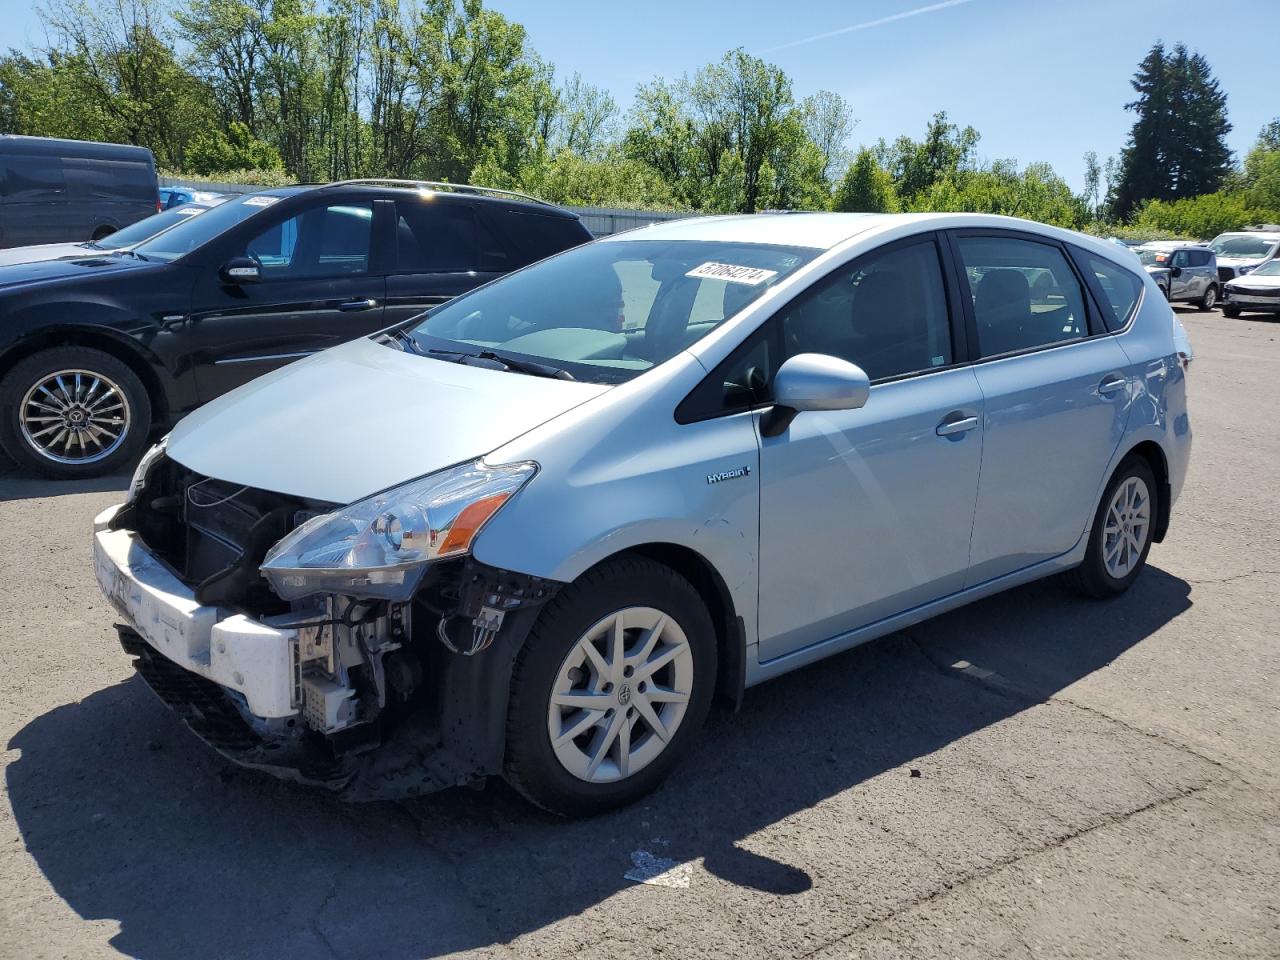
(380, 546)
(139, 481)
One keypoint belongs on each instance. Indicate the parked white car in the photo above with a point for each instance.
(1259, 292)
(1242, 251)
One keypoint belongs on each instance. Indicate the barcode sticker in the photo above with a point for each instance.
(752, 276)
(259, 201)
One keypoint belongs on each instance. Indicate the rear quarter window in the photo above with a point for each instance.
(1120, 290)
(512, 238)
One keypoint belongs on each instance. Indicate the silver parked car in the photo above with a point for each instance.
(536, 530)
(1183, 271)
(1257, 292)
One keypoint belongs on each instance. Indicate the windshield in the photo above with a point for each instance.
(195, 232)
(1153, 258)
(606, 312)
(1244, 247)
(1269, 269)
(145, 229)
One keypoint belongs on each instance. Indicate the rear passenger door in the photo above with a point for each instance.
(1055, 390)
(36, 206)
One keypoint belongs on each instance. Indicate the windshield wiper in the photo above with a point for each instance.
(407, 342)
(509, 363)
(126, 252)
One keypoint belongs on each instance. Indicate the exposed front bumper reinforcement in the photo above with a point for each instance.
(231, 678)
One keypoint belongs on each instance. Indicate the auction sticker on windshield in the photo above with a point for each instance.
(753, 276)
(260, 201)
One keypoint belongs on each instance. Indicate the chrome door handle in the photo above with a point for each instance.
(1111, 385)
(949, 428)
(358, 305)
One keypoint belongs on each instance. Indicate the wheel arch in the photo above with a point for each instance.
(730, 629)
(1151, 452)
(125, 350)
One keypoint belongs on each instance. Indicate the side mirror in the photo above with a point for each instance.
(1176, 272)
(241, 270)
(814, 381)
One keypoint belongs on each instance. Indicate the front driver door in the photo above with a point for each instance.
(867, 513)
(320, 286)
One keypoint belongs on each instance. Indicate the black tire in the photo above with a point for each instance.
(1230, 312)
(531, 765)
(31, 371)
(102, 233)
(1210, 298)
(1092, 578)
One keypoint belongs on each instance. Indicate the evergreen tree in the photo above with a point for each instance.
(1177, 147)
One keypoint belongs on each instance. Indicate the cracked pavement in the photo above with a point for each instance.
(1034, 775)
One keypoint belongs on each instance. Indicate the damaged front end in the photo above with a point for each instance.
(374, 657)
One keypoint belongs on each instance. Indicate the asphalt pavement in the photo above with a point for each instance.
(1035, 775)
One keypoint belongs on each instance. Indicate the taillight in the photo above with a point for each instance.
(159, 206)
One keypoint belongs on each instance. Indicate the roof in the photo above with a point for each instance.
(1172, 245)
(824, 231)
(820, 230)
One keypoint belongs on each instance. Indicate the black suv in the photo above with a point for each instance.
(97, 352)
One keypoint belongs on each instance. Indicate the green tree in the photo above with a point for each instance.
(917, 166)
(866, 187)
(1177, 147)
(236, 149)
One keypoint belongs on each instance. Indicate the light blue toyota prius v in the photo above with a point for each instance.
(537, 530)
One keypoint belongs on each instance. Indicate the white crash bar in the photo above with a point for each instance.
(245, 655)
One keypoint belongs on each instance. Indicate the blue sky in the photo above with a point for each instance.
(1039, 79)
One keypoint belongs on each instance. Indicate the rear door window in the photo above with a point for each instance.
(1024, 293)
(435, 238)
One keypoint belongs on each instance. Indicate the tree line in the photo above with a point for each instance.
(273, 91)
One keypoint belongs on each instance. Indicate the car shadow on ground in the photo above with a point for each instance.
(131, 820)
(17, 484)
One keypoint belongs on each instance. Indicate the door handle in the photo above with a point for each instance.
(1111, 384)
(358, 305)
(949, 428)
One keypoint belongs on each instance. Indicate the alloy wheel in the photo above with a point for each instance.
(74, 416)
(620, 695)
(1127, 527)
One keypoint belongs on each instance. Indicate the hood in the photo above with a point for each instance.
(1253, 281)
(43, 251)
(88, 264)
(1240, 261)
(359, 418)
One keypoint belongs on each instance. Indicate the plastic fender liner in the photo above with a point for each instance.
(456, 734)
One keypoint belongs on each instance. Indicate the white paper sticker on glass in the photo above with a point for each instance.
(753, 276)
(259, 201)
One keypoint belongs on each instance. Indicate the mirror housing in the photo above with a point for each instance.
(814, 381)
(239, 270)
(1175, 271)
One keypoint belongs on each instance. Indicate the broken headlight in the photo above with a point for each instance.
(380, 546)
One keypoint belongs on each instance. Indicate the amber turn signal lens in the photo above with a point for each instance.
(469, 522)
